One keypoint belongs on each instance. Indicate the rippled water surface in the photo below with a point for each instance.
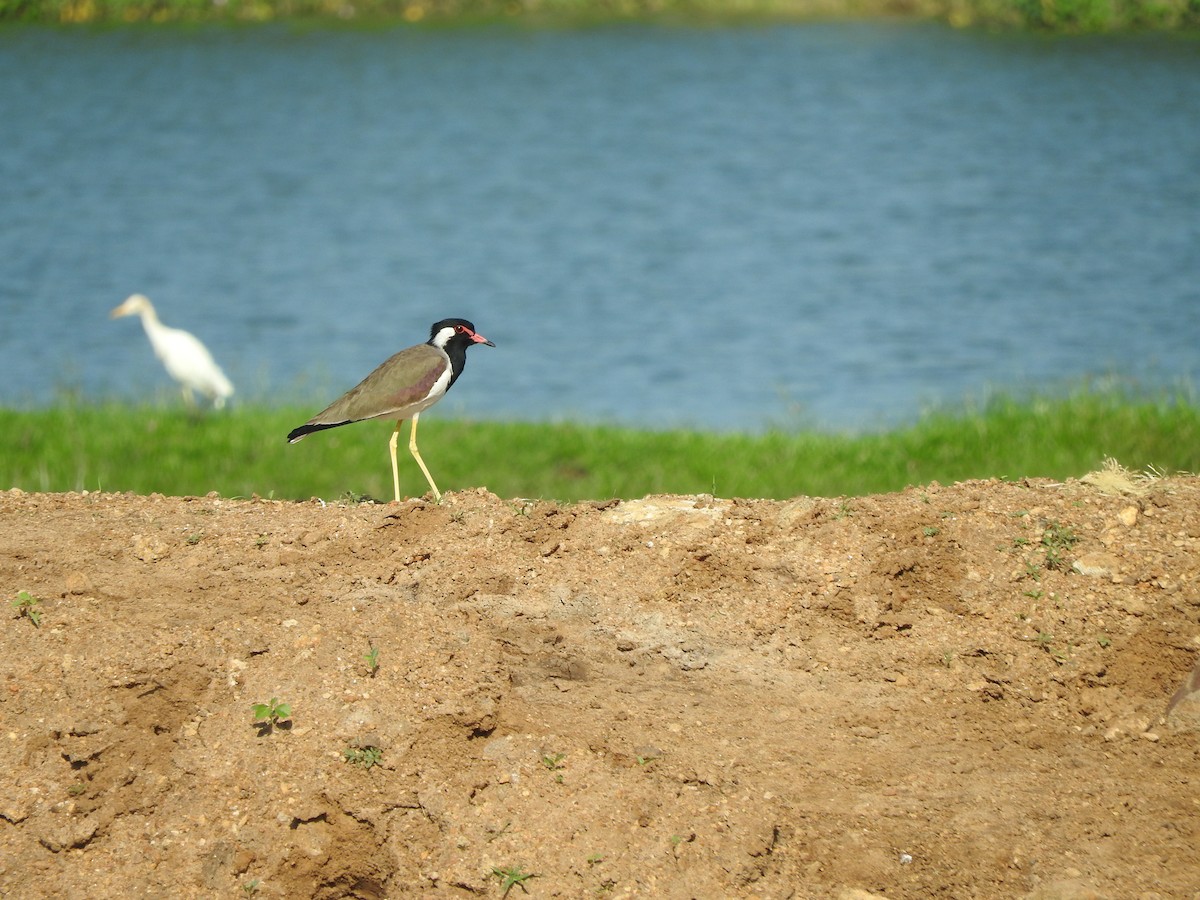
(833, 224)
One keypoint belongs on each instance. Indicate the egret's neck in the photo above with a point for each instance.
(150, 319)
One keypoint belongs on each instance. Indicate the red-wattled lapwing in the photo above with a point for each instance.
(402, 388)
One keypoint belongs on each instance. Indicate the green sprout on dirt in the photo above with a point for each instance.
(553, 761)
(372, 658)
(26, 606)
(250, 888)
(272, 714)
(512, 876)
(363, 757)
(1059, 654)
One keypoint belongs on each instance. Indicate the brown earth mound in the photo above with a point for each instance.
(941, 692)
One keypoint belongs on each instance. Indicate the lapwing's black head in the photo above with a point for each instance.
(454, 336)
(455, 333)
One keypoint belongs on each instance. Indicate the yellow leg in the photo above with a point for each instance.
(392, 451)
(412, 448)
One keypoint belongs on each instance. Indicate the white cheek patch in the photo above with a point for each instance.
(443, 337)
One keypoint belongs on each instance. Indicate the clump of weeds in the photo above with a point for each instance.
(1058, 539)
(363, 757)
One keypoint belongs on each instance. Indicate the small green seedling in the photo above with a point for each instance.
(372, 658)
(512, 876)
(250, 888)
(553, 761)
(272, 714)
(26, 605)
(364, 757)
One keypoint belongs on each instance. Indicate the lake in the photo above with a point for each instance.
(832, 225)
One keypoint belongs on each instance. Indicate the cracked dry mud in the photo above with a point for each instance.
(939, 692)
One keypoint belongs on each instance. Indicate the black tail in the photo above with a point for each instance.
(296, 433)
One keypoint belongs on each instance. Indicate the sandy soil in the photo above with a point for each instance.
(941, 692)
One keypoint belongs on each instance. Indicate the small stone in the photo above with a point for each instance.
(79, 583)
(1128, 516)
(1096, 565)
(1133, 605)
(149, 549)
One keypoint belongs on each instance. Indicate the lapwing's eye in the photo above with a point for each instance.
(460, 329)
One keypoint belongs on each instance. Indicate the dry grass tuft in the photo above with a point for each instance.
(1114, 478)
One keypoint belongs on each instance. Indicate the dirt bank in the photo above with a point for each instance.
(940, 692)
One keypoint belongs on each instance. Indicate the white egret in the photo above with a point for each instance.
(185, 358)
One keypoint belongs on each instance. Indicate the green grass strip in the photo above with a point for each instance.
(241, 452)
(1046, 15)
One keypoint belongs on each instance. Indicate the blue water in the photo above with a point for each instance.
(834, 225)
